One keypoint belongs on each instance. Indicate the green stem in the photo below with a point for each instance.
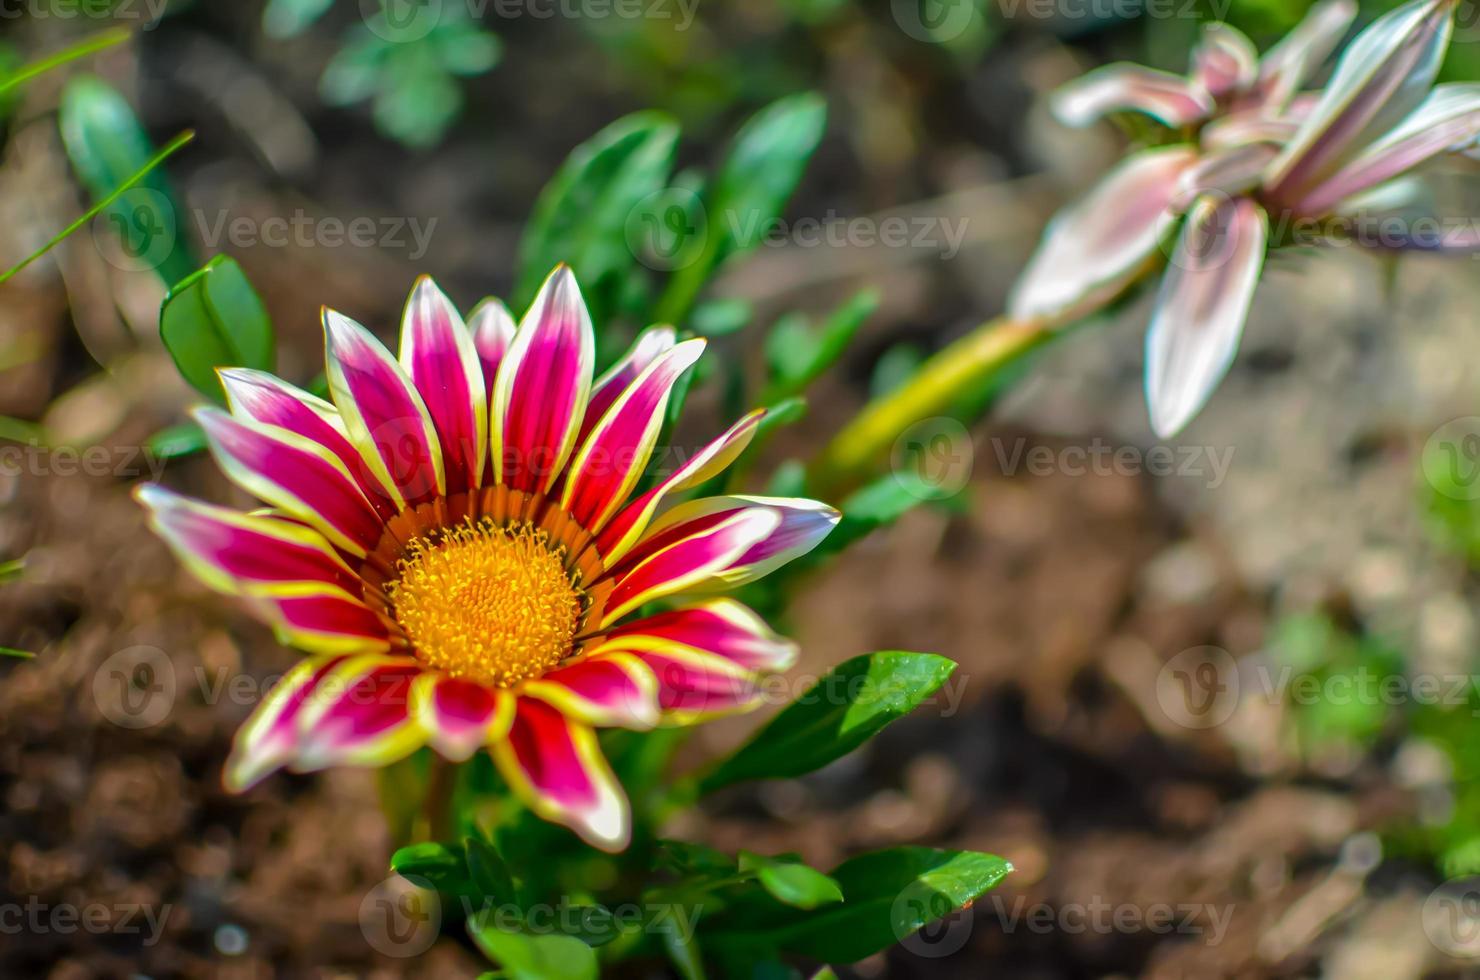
(436, 806)
(92, 212)
(91, 45)
(952, 373)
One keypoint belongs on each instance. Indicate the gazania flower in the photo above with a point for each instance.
(1313, 162)
(453, 545)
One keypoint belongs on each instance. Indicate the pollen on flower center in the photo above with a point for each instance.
(490, 603)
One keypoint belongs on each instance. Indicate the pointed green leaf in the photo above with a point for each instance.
(530, 957)
(213, 318)
(837, 715)
(791, 882)
(491, 876)
(107, 146)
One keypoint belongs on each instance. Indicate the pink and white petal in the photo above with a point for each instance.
(330, 622)
(269, 738)
(1170, 99)
(1247, 126)
(1294, 59)
(555, 766)
(694, 686)
(461, 716)
(295, 475)
(722, 627)
(384, 415)
(1201, 308)
(440, 358)
(543, 385)
(603, 689)
(651, 344)
(360, 715)
(1449, 119)
(492, 327)
(1225, 61)
(689, 561)
(1227, 173)
(1095, 248)
(614, 456)
(803, 524)
(232, 552)
(1382, 76)
(257, 396)
(629, 525)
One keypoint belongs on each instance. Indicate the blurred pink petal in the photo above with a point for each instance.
(1170, 99)
(1382, 76)
(1447, 120)
(1201, 308)
(1291, 62)
(1236, 170)
(1225, 61)
(1094, 248)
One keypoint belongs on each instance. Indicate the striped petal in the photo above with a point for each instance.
(628, 526)
(1201, 308)
(269, 738)
(1448, 119)
(331, 622)
(803, 523)
(440, 358)
(555, 765)
(543, 384)
(294, 474)
(1169, 99)
(360, 715)
(722, 627)
(613, 458)
(460, 716)
(383, 414)
(1095, 248)
(1225, 61)
(261, 397)
(235, 553)
(1229, 173)
(1247, 126)
(687, 561)
(693, 686)
(604, 689)
(492, 327)
(1294, 59)
(1382, 76)
(651, 344)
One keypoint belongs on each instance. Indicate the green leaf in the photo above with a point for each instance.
(888, 896)
(176, 441)
(529, 957)
(582, 216)
(720, 317)
(12, 570)
(108, 146)
(694, 860)
(17, 654)
(877, 505)
(443, 867)
(289, 18)
(835, 716)
(791, 882)
(491, 876)
(757, 179)
(213, 318)
(797, 353)
(752, 187)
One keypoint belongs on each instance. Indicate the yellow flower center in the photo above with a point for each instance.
(490, 603)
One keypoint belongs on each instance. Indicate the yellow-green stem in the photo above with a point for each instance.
(951, 374)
